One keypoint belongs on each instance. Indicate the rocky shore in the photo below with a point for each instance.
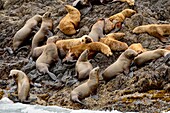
(145, 89)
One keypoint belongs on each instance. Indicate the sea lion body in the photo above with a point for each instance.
(70, 22)
(83, 66)
(157, 30)
(122, 15)
(49, 56)
(97, 30)
(45, 30)
(23, 84)
(24, 33)
(114, 45)
(150, 55)
(84, 90)
(137, 47)
(93, 47)
(64, 45)
(121, 65)
(130, 2)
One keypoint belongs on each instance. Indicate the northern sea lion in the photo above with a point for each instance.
(44, 31)
(114, 45)
(70, 22)
(157, 30)
(24, 33)
(38, 50)
(97, 30)
(94, 47)
(150, 55)
(122, 15)
(84, 90)
(49, 56)
(64, 45)
(130, 2)
(23, 84)
(83, 66)
(137, 47)
(121, 65)
(116, 36)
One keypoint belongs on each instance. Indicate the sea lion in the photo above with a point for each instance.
(114, 45)
(130, 2)
(97, 30)
(150, 55)
(23, 84)
(24, 33)
(38, 50)
(70, 22)
(157, 30)
(84, 90)
(121, 65)
(122, 15)
(137, 47)
(94, 47)
(64, 45)
(44, 31)
(83, 66)
(49, 56)
(116, 36)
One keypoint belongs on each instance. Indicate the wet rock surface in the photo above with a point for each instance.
(146, 88)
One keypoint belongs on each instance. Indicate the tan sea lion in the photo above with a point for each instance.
(38, 50)
(137, 47)
(121, 65)
(70, 22)
(122, 15)
(114, 45)
(157, 30)
(94, 47)
(87, 88)
(23, 84)
(150, 55)
(116, 36)
(83, 66)
(97, 30)
(130, 2)
(24, 33)
(64, 45)
(49, 56)
(44, 31)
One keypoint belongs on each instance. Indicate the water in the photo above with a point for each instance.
(7, 106)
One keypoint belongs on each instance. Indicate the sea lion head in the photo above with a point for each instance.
(84, 55)
(69, 8)
(138, 30)
(47, 15)
(130, 54)
(69, 57)
(86, 39)
(14, 73)
(38, 18)
(94, 73)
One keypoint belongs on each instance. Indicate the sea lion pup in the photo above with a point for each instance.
(38, 50)
(94, 47)
(137, 47)
(49, 56)
(130, 2)
(122, 15)
(70, 22)
(64, 45)
(150, 55)
(114, 45)
(45, 30)
(24, 33)
(84, 90)
(83, 66)
(23, 84)
(157, 30)
(122, 64)
(97, 30)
